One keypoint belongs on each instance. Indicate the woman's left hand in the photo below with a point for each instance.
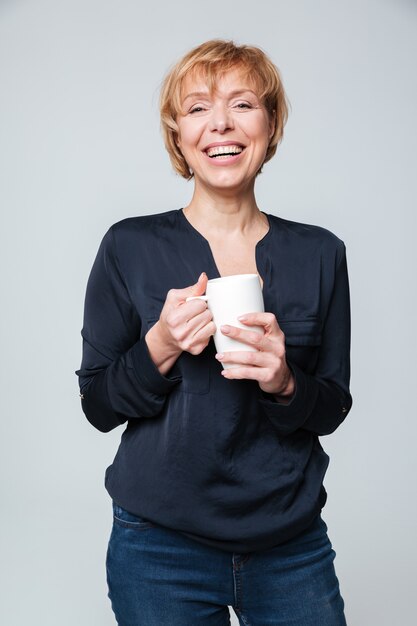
(268, 365)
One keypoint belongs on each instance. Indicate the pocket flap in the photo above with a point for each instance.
(301, 332)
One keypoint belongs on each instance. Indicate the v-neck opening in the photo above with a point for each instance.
(199, 235)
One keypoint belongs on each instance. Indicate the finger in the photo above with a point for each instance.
(185, 313)
(188, 315)
(259, 319)
(196, 323)
(197, 342)
(178, 296)
(196, 298)
(205, 332)
(244, 357)
(240, 373)
(253, 338)
(198, 289)
(188, 310)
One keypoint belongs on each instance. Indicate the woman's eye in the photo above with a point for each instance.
(196, 109)
(243, 105)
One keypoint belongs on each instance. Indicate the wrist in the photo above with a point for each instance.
(288, 389)
(162, 352)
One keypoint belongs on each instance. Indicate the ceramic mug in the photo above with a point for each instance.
(228, 298)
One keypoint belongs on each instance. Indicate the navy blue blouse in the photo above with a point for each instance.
(216, 459)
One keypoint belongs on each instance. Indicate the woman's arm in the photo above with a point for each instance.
(118, 379)
(289, 397)
(321, 401)
(125, 373)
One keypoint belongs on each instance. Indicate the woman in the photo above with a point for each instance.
(217, 485)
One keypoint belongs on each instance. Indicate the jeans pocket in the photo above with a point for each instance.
(313, 538)
(124, 518)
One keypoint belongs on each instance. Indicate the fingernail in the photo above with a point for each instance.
(201, 276)
(225, 329)
(242, 318)
(219, 356)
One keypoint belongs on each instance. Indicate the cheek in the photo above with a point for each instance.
(259, 131)
(187, 139)
(188, 135)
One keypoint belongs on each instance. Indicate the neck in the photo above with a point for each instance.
(229, 213)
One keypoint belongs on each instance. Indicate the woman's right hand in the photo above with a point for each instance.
(182, 326)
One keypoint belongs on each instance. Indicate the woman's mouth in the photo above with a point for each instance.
(221, 152)
(224, 155)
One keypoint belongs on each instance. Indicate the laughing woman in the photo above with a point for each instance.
(217, 486)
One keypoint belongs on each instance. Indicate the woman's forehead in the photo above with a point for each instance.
(200, 80)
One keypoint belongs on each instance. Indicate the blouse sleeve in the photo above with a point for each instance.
(118, 379)
(321, 401)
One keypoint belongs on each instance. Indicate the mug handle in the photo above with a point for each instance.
(196, 298)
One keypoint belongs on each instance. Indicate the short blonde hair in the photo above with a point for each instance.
(214, 58)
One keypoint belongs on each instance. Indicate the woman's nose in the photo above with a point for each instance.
(221, 119)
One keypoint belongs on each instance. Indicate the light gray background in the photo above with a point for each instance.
(80, 148)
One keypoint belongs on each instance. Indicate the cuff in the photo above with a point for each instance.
(290, 416)
(148, 374)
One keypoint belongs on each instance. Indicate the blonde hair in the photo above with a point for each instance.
(214, 58)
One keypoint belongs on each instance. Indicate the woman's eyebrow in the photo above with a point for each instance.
(236, 92)
(195, 94)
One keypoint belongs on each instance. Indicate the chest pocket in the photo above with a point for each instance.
(302, 341)
(194, 369)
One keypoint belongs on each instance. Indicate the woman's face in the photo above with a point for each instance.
(224, 136)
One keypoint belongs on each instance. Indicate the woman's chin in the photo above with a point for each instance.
(225, 181)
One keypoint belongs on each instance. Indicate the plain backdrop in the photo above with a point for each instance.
(80, 148)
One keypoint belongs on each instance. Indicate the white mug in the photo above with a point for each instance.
(228, 298)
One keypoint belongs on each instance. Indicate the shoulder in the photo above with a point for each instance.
(134, 230)
(307, 237)
(143, 223)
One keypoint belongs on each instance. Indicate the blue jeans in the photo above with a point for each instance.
(158, 577)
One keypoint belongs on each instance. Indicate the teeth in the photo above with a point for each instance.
(221, 150)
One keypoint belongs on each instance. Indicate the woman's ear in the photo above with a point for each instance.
(271, 125)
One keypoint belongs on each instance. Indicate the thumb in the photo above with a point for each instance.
(199, 288)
